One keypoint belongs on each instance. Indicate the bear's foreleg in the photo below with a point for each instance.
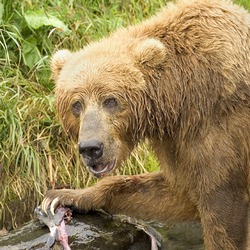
(146, 196)
(224, 215)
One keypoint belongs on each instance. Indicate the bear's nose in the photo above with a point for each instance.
(91, 149)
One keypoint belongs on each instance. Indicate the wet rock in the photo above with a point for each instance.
(90, 231)
(101, 231)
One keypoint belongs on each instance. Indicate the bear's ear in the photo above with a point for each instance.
(150, 52)
(58, 60)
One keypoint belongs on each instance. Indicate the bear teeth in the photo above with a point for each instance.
(100, 169)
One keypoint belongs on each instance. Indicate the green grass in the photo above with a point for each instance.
(245, 3)
(35, 154)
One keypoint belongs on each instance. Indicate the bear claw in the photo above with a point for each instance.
(50, 205)
(54, 204)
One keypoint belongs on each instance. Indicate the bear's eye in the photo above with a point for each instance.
(110, 103)
(76, 108)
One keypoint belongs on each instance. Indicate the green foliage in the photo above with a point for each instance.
(37, 19)
(25, 41)
(244, 3)
(1, 11)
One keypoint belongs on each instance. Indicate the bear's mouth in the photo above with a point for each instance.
(100, 169)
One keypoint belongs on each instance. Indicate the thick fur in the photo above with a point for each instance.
(182, 80)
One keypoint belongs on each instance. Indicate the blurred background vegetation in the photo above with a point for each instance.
(35, 154)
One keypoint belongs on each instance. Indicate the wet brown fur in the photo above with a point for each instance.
(182, 80)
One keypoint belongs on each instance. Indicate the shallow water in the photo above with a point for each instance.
(100, 231)
(181, 236)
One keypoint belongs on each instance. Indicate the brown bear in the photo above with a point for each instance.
(182, 80)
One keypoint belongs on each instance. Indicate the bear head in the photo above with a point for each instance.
(102, 97)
